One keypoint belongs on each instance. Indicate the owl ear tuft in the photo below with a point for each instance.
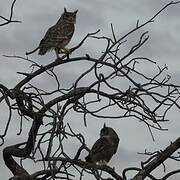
(104, 125)
(75, 11)
(65, 10)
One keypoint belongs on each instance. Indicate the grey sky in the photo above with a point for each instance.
(163, 46)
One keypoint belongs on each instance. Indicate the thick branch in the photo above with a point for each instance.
(161, 157)
(89, 166)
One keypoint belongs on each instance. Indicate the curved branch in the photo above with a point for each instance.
(14, 150)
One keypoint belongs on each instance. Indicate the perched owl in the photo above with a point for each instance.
(104, 148)
(59, 35)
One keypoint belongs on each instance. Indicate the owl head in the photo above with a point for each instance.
(108, 131)
(69, 17)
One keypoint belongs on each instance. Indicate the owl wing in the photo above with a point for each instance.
(101, 144)
(51, 36)
(101, 150)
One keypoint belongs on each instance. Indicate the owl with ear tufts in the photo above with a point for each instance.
(59, 35)
(105, 147)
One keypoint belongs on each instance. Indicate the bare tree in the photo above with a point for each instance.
(147, 98)
(9, 20)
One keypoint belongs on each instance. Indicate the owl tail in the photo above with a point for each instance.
(42, 51)
(88, 159)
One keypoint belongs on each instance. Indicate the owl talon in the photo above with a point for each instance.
(102, 163)
(64, 51)
(57, 54)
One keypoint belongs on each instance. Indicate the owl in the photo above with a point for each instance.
(59, 35)
(104, 148)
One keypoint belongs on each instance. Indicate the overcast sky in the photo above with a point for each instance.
(163, 47)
